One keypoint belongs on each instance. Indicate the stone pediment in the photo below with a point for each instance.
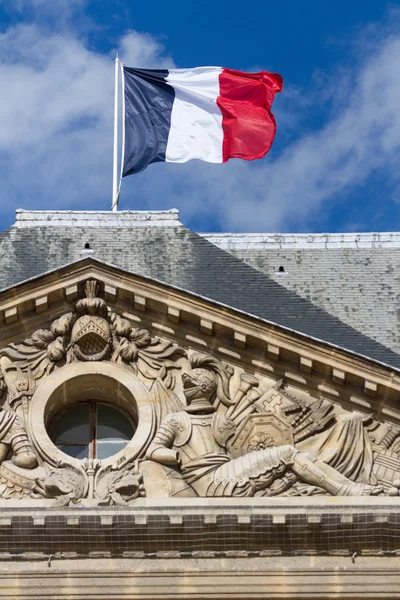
(220, 404)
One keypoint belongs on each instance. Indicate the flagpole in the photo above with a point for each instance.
(115, 190)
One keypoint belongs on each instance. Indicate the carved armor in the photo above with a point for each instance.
(195, 440)
(13, 434)
(188, 441)
(191, 440)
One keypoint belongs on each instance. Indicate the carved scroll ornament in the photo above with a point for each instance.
(219, 433)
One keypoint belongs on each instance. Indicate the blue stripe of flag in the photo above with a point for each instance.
(148, 107)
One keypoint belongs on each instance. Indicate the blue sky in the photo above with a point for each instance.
(335, 162)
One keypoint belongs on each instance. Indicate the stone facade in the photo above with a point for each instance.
(263, 457)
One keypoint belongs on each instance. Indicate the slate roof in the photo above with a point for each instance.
(160, 247)
(355, 277)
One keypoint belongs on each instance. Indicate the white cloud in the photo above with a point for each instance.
(56, 137)
(56, 117)
(361, 137)
(55, 15)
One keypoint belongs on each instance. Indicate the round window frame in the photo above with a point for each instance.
(91, 402)
(104, 381)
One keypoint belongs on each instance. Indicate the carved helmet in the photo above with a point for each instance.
(91, 334)
(207, 381)
(91, 337)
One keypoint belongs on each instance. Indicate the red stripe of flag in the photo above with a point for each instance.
(245, 102)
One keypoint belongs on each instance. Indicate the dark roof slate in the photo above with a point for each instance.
(357, 284)
(177, 256)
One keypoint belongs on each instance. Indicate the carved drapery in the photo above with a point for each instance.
(220, 432)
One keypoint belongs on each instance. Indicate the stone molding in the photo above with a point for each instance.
(303, 241)
(210, 529)
(87, 218)
(39, 578)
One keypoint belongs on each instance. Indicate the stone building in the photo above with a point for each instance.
(197, 416)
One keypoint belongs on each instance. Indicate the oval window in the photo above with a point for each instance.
(91, 429)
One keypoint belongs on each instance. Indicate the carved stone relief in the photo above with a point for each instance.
(201, 427)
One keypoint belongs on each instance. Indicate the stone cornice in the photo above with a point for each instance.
(205, 529)
(97, 578)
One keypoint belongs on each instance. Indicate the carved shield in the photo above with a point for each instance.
(263, 430)
(386, 467)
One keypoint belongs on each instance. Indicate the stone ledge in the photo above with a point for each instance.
(162, 505)
(317, 578)
(101, 218)
(305, 241)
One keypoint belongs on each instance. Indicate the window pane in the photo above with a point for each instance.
(112, 424)
(72, 425)
(75, 451)
(104, 450)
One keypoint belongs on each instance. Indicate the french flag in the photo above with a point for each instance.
(209, 113)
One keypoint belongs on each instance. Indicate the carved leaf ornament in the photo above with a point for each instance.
(219, 433)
